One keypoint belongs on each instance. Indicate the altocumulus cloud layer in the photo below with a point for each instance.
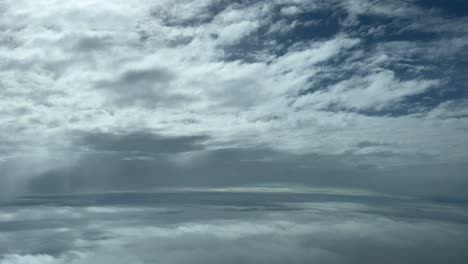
(130, 95)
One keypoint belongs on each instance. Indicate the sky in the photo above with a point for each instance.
(241, 131)
(363, 96)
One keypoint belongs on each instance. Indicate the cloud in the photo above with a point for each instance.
(141, 143)
(298, 79)
(376, 91)
(327, 231)
(290, 10)
(150, 87)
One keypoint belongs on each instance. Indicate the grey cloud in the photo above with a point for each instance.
(141, 143)
(238, 93)
(366, 144)
(139, 165)
(92, 43)
(121, 161)
(150, 87)
(145, 76)
(428, 180)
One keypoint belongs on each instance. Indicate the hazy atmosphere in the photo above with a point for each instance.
(243, 131)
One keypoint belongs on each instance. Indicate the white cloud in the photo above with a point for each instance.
(30, 259)
(290, 10)
(376, 91)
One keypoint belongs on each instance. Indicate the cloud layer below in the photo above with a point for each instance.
(230, 227)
